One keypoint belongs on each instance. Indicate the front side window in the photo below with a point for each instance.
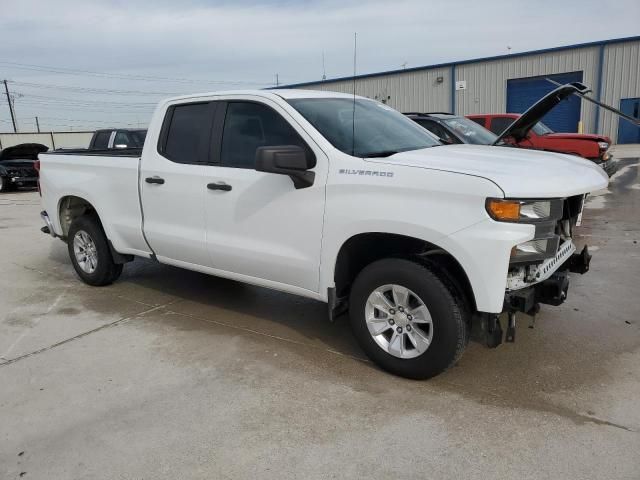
(138, 137)
(188, 132)
(470, 131)
(363, 128)
(248, 126)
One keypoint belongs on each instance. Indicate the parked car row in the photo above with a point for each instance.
(524, 131)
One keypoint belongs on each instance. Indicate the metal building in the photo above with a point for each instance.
(511, 83)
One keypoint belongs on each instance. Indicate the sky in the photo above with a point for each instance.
(82, 64)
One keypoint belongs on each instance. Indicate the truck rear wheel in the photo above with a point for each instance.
(89, 252)
(406, 319)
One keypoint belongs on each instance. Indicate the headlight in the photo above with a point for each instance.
(603, 145)
(524, 211)
(535, 250)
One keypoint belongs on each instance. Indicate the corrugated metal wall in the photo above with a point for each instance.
(487, 81)
(412, 91)
(620, 79)
(486, 89)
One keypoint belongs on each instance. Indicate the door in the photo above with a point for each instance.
(524, 92)
(627, 131)
(258, 224)
(173, 185)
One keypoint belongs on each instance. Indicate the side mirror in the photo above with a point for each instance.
(290, 160)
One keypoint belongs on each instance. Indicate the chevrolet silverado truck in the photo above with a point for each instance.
(337, 198)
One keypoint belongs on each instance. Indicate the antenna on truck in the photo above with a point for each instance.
(353, 131)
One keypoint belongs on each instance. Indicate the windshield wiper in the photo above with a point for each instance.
(383, 153)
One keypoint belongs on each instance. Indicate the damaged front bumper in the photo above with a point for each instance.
(552, 290)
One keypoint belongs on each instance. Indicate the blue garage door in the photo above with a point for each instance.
(627, 131)
(524, 92)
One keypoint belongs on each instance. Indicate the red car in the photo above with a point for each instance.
(593, 147)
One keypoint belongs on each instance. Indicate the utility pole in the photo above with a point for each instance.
(324, 71)
(277, 80)
(10, 102)
(37, 124)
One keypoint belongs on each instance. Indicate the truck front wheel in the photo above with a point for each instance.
(406, 319)
(89, 252)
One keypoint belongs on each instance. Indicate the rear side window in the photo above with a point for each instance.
(102, 140)
(479, 120)
(122, 139)
(500, 124)
(248, 126)
(186, 132)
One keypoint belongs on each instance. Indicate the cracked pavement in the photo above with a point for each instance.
(174, 374)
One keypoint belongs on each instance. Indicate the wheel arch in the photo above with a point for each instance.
(362, 249)
(71, 207)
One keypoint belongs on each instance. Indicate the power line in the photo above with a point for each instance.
(90, 89)
(124, 76)
(102, 102)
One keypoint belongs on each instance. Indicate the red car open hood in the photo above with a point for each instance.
(521, 127)
(579, 136)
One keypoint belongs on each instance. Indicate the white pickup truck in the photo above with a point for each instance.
(337, 198)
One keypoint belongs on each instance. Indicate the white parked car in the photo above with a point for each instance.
(338, 199)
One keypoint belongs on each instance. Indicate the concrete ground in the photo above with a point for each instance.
(173, 374)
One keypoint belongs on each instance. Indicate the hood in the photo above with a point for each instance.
(23, 151)
(519, 173)
(579, 136)
(519, 129)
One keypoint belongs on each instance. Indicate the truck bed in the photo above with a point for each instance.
(111, 152)
(109, 182)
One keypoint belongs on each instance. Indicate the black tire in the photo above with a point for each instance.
(106, 271)
(5, 185)
(447, 310)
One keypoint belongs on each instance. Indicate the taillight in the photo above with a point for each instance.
(36, 165)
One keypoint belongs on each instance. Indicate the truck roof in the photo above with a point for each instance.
(285, 93)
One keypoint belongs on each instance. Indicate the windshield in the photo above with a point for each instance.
(541, 129)
(470, 131)
(380, 131)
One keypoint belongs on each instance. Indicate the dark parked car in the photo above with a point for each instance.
(117, 138)
(17, 166)
(453, 129)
